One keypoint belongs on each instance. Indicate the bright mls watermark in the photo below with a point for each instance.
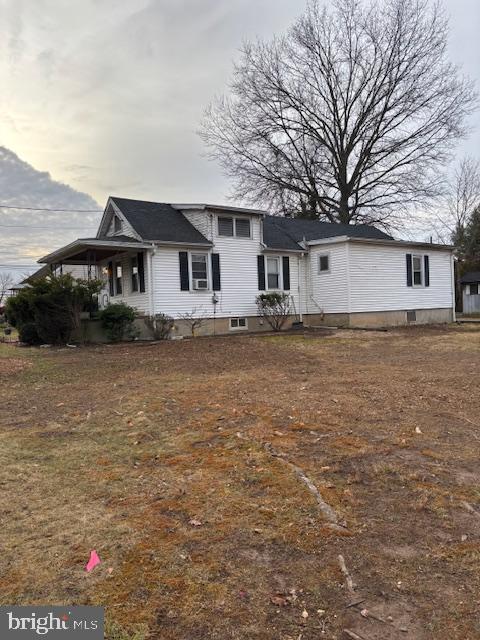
(59, 623)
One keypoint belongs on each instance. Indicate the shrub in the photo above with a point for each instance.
(274, 307)
(53, 304)
(160, 325)
(117, 320)
(28, 334)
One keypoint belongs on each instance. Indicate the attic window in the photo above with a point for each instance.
(324, 263)
(117, 224)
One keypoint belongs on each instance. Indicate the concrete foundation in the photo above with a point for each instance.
(91, 329)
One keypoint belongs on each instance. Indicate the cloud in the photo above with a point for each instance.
(27, 235)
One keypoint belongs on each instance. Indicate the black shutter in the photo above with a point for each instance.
(184, 277)
(261, 272)
(409, 270)
(286, 273)
(141, 272)
(426, 263)
(110, 278)
(216, 271)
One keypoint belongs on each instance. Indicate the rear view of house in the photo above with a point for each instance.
(212, 261)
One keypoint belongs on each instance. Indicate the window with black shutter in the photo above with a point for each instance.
(261, 272)
(409, 270)
(184, 275)
(111, 287)
(216, 283)
(286, 273)
(141, 271)
(426, 270)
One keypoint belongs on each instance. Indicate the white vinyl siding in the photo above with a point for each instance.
(327, 291)
(378, 279)
(238, 273)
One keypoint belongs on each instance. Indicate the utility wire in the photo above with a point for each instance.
(27, 226)
(12, 206)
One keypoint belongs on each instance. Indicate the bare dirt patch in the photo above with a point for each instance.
(181, 464)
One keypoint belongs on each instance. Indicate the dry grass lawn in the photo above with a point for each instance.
(178, 463)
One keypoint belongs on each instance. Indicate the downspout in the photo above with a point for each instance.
(150, 254)
(347, 249)
(299, 271)
(452, 279)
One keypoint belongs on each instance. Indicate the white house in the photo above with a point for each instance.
(213, 261)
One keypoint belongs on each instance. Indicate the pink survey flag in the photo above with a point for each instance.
(93, 561)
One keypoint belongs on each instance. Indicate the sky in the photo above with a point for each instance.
(104, 97)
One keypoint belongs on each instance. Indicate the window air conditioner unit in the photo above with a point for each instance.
(200, 284)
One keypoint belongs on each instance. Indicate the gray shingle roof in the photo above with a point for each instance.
(287, 233)
(158, 221)
(471, 276)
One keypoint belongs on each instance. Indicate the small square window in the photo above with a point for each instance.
(242, 227)
(474, 289)
(411, 316)
(225, 226)
(238, 323)
(324, 263)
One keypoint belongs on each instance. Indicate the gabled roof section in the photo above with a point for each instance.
(158, 221)
(471, 276)
(288, 233)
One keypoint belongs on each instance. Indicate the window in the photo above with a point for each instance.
(474, 289)
(135, 279)
(417, 270)
(273, 273)
(199, 270)
(324, 263)
(225, 226)
(117, 224)
(229, 227)
(237, 324)
(118, 278)
(242, 227)
(411, 316)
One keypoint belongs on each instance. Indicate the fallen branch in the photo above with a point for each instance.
(469, 508)
(353, 635)
(348, 577)
(327, 511)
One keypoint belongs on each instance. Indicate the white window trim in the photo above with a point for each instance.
(280, 274)
(422, 270)
(234, 225)
(322, 255)
(237, 328)
(190, 271)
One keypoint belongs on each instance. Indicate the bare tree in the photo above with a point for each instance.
(6, 282)
(460, 200)
(348, 117)
(194, 318)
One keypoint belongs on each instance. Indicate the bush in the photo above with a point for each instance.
(160, 326)
(117, 320)
(53, 304)
(28, 334)
(274, 307)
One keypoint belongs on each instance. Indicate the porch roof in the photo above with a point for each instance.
(92, 250)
